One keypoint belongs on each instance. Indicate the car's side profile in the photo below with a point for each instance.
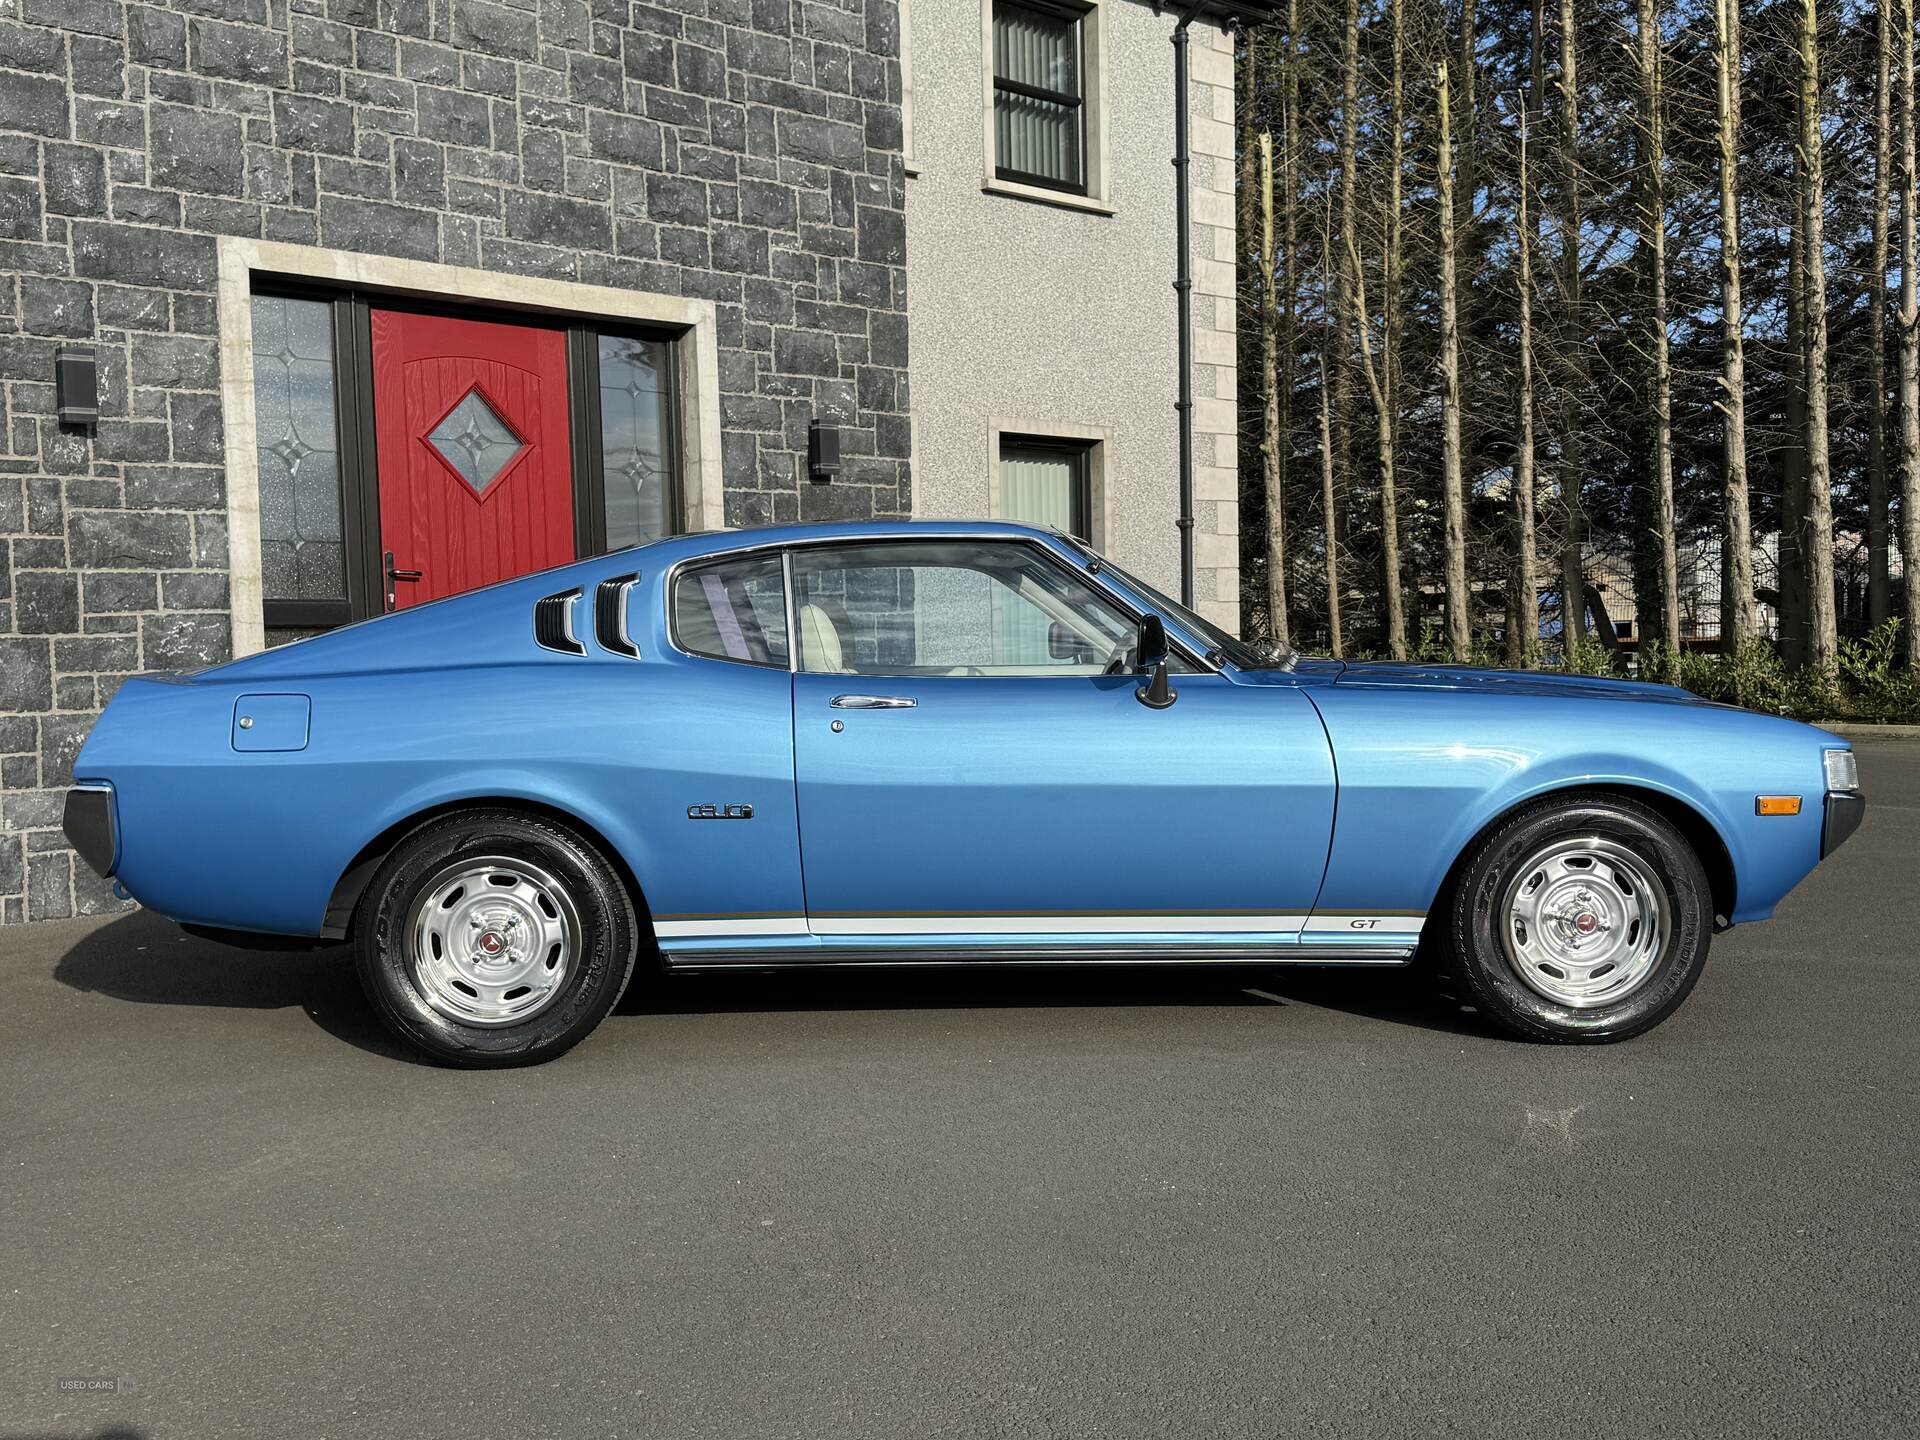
(930, 743)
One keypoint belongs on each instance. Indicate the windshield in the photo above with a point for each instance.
(1242, 655)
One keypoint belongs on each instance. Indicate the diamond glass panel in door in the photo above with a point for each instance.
(299, 457)
(1037, 110)
(475, 441)
(636, 473)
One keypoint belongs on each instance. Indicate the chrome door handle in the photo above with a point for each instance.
(873, 702)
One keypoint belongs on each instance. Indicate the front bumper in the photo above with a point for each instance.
(1845, 810)
(89, 825)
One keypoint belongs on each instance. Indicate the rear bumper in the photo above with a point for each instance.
(1845, 810)
(89, 826)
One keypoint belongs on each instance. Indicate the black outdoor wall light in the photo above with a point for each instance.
(76, 386)
(823, 451)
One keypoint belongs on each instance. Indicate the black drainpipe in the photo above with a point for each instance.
(1183, 296)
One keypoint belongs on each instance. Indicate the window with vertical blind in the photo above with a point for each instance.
(1047, 483)
(1039, 94)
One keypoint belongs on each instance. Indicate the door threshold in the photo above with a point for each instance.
(868, 957)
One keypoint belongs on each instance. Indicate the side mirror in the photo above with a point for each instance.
(1150, 659)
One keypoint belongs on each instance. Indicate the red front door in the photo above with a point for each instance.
(476, 465)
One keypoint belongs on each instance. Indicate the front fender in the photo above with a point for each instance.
(1422, 773)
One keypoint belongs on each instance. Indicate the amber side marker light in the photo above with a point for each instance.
(1776, 804)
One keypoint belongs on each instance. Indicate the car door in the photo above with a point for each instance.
(712, 753)
(968, 777)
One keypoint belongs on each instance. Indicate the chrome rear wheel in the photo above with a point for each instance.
(492, 940)
(493, 937)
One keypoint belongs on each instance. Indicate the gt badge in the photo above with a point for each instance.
(719, 812)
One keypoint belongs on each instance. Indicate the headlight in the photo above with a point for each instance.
(1842, 771)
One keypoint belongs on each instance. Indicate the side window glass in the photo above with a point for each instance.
(951, 608)
(733, 609)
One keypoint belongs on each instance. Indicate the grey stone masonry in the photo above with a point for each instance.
(742, 151)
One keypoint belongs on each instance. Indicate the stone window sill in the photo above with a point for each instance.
(1090, 204)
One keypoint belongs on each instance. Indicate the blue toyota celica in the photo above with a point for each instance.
(913, 743)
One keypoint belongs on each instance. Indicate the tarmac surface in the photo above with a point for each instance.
(1209, 1203)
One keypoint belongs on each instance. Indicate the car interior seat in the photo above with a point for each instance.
(822, 647)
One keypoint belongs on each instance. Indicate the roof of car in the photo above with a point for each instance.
(706, 542)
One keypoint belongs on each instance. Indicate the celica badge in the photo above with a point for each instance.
(719, 812)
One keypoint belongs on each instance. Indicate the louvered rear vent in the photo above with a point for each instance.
(610, 616)
(553, 623)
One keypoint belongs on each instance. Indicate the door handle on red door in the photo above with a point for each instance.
(873, 702)
(393, 575)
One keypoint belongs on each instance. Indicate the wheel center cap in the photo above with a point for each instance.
(1586, 922)
(491, 943)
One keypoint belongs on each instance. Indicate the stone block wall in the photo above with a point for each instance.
(744, 151)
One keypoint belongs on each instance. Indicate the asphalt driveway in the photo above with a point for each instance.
(1248, 1203)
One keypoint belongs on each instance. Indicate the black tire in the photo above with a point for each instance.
(599, 914)
(1474, 954)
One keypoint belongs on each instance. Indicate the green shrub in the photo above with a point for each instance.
(1877, 689)
(1586, 657)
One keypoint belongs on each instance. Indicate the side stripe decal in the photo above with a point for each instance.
(726, 926)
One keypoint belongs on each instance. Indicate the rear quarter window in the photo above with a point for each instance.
(733, 609)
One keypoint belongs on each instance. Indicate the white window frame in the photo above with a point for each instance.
(1093, 107)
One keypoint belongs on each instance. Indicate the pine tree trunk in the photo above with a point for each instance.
(1289, 315)
(1459, 615)
(1879, 585)
(1793, 461)
(1909, 320)
(1388, 403)
(1824, 629)
(1653, 235)
(1523, 600)
(1273, 443)
(1464, 78)
(1737, 623)
(1335, 644)
(1382, 408)
(1341, 419)
(1329, 511)
(1573, 583)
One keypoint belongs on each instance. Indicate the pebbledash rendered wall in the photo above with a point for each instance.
(747, 152)
(1058, 317)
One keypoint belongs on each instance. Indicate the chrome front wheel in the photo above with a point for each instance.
(1586, 921)
(1581, 917)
